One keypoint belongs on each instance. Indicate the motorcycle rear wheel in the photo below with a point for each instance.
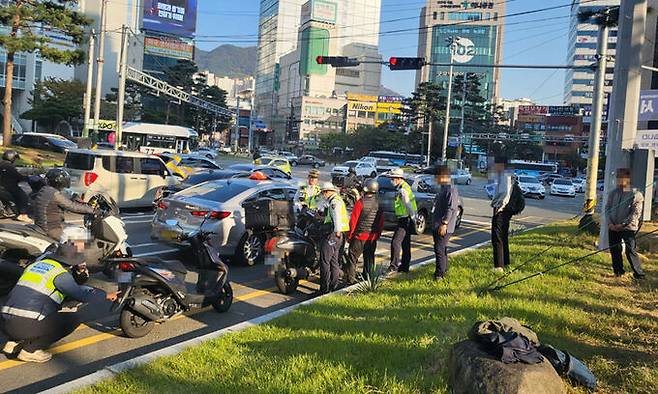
(133, 325)
(285, 284)
(225, 300)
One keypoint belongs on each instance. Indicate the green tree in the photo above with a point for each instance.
(25, 19)
(207, 122)
(133, 109)
(54, 100)
(426, 105)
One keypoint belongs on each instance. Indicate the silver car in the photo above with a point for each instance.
(224, 200)
(461, 177)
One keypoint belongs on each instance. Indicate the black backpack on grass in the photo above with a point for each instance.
(516, 203)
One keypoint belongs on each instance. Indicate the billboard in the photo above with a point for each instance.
(648, 105)
(168, 48)
(533, 110)
(175, 17)
(315, 42)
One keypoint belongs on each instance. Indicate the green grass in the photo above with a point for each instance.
(396, 340)
(37, 158)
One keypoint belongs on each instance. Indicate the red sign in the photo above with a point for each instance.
(533, 110)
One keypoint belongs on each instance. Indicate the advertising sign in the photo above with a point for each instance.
(175, 17)
(168, 48)
(463, 50)
(390, 99)
(648, 105)
(361, 97)
(533, 110)
(647, 139)
(557, 110)
(362, 106)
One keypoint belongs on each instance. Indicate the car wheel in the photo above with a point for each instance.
(293, 163)
(458, 223)
(421, 223)
(250, 249)
(468, 181)
(542, 197)
(316, 165)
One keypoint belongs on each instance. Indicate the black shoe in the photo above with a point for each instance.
(404, 271)
(639, 276)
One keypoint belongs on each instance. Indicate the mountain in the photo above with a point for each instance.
(228, 60)
(384, 91)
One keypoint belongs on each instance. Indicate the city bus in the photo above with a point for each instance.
(158, 138)
(530, 168)
(399, 159)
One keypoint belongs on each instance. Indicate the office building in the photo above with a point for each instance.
(479, 26)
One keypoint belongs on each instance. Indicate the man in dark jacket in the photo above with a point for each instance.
(9, 180)
(50, 204)
(366, 225)
(444, 214)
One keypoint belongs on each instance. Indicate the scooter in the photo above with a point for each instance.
(154, 291)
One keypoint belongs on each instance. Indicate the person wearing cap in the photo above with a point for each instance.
(309, 194)
(31, 317)
(624, 212)
(501, 215)
(405, 211)
(444, 218)
(366, 225)
(337, 223)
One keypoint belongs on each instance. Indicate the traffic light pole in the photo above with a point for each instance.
(90, 81)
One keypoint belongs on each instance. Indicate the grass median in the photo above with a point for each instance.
(397, 339)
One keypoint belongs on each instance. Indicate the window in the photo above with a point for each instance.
(152, 167)
(215, 191)
(274, 194)
(79, 161)
(434, 15)
(125, 165)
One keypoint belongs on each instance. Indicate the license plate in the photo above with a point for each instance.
(124, 277)
(169, 235)
(271, 260)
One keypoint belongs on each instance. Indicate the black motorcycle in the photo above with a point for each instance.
(154, 291)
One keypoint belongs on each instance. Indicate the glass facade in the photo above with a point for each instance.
(20, 70)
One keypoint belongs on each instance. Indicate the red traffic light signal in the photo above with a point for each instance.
(337, 61)
(406, 63)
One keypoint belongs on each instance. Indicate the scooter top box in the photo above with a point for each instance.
(269, 214)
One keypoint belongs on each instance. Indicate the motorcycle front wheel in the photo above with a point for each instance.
(225, 300)
(286, 284)
(133, 325)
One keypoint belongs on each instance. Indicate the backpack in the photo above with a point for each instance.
(516, 203)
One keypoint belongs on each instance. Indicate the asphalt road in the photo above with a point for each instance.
(98, 343)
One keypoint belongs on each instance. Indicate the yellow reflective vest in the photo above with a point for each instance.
(337, 214)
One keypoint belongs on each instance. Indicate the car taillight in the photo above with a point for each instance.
(269, 245)
(90, 177)
(162, 205)
(219, 215)
(126, 266)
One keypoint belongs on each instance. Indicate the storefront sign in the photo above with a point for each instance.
(648, 105)
(361, 106)
(361, 97)
(533, 110)
(168, 48)
(647, 139)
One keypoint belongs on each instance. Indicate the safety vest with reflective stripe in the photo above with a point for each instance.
(312, 196)
(400, 207)
(337, 205)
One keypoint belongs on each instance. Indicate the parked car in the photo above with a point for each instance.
(197, 162)
(548, 179)
(291, 157)
(224, 201)
(424, 188)
(461, 177)
(51, 142)
(363, 169)
(532, 187)
(131, 179)
(563, 187)
(270, 172)
(206, 152)
(310, 160)
(579, 183)
(278, 162)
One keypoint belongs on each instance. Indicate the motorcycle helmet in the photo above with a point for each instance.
(10, 156)
(58, 178)
(352, 171)
(371, 186)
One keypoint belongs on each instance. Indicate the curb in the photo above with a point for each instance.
(112, 370)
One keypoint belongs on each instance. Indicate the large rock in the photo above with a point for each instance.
(474, 371)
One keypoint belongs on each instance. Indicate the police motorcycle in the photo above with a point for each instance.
(154, 291)
(22, 244)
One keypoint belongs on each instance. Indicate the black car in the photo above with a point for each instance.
(310, 160)
(51, 142)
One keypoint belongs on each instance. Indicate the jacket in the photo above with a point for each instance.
(9, 175)
(49, 207)
(446, 208)
(625, 208)
(367, 220)
(503, 191)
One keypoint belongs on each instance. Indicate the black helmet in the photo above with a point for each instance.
(58, 178)
(10, 155)
(371, 186)
(352, 170)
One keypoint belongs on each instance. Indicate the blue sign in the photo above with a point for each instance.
(174, 17)
(648, 105)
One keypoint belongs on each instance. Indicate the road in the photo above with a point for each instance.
(98, 343)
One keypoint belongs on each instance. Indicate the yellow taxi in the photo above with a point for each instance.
(279, 162)
(173, 163)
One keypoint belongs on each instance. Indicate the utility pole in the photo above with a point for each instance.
(624, 103)
(90, 81)
(236, 142)
(461, 124)
(250, 144)
(121, 97)
(429, 141)
(446, 128)
(597, 120)
(100, 60)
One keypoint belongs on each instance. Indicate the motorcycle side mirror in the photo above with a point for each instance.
(172, 222)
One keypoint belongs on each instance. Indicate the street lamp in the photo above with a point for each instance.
(453, 43)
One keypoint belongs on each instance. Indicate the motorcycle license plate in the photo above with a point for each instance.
(271, 260)
(169, 235)
(124, 277)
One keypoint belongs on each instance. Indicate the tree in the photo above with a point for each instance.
(207, 122)
(133, 110)
(55, 100)
(25, 18)
(424, 107)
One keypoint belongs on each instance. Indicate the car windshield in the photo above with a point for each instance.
(528, 179)
(562, 182)
(208, 176)
(79, 161)
(242, 167)
(350, 164)
(221, 191)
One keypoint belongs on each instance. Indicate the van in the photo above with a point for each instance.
(131, 179)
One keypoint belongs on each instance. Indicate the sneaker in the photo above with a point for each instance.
(38, 356)
(499, 270)
(11, 347)
(24, 218)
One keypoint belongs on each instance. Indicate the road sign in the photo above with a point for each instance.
(648, 105)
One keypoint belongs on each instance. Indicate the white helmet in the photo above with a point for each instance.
(328, 186)
(74, 233)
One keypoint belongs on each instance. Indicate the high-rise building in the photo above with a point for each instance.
(583, 42)
(479, 27)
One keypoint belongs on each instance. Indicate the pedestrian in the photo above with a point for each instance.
(405, 209)
(444, 218)
(624, 212)
(501, 215)
(337, 223)
(366, 225)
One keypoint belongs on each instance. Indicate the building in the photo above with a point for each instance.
(370, 111)
(583, 42)
(511, 109)
(480, 28)
(234, 87)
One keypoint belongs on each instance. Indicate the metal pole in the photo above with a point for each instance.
(461, 125)
(121, 97)
(444, 153)
(237, 124)
(100, 60)
(595, 132)
(250, 143)
(429, 141)
(90, 81)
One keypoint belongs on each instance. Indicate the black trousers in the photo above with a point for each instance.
(330, 262)
(441, 253)
(500, 238)
(401, 246)
(40, 334)
(615, 238)
(357, 248)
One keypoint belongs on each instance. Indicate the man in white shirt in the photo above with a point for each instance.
(501, 215)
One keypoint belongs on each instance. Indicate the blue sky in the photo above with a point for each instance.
(528, 40)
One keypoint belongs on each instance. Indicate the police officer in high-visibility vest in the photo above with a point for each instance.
(31, 317)
(337, 223)
(308, 194)
(405, 211)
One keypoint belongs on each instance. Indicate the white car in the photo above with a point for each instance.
(532, 187)
(563, 187)
(207, 153)
(461, 177)
(579, 183)
(363, 169)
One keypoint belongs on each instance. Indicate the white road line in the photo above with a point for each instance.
(138, 221)
(476, 222)
(164, 251)
(144, 245)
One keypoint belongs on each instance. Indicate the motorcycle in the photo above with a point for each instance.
(153, 291)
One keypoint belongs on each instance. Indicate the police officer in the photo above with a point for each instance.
(405, 212)
(309, 194)
(31, 317)
(337, 223)
(366, 225)
(9, 180)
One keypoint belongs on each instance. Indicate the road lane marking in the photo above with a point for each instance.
(157, 252)
(476, 222)
(137, 221)
(145, 245)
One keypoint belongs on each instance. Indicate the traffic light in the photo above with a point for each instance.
(337, 61)
(406, 63)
